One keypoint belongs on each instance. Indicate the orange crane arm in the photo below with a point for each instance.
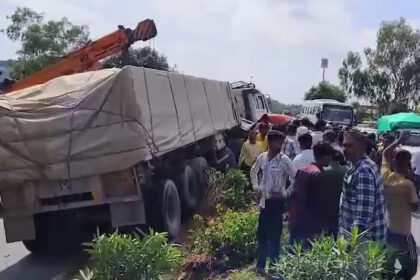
(86, 57)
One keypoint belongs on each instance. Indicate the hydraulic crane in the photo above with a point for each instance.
(86, 57)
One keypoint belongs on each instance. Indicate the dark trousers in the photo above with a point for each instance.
(270, 228)
(301, 237)
(403, 249)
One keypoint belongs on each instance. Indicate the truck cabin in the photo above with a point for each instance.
(249, 102)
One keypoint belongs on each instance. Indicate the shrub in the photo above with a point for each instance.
(230, 238)
(328, 259)
(132, 257)
(230, 188)
(245, 274)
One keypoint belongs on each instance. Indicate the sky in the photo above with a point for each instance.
(278, 44)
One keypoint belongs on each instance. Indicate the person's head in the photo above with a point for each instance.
(402, 162)
(329, 136)
(306, 122)
(323, 153)
(296, 122)
(387, 139)
(275, 141)
(305, 141)
(354, 145)
(320, 125)
(291, 129)
(372, 136)
(338, 159)
(264, 119)
(252, 136)
(263, 129)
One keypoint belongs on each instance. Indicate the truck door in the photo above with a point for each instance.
(261, 106)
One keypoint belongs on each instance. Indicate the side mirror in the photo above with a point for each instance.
(318, 115)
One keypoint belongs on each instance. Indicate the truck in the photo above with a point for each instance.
(114, 148)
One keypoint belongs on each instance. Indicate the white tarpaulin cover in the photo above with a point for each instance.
(96, 122)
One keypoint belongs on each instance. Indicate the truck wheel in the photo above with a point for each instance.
(235, 146)
(168, 208)
(188, 187)
(200, 166)
(231, 160)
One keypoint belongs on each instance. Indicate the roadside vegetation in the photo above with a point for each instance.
(222, 245)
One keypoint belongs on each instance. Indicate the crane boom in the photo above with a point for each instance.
(85, 58)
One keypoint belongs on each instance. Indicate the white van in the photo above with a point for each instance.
(328, 110)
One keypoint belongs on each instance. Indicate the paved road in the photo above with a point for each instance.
(16, 263)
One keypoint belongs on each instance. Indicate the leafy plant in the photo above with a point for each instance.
(132, 257)
(245, 274)
(230, 188)
(231, 237)
(344, 259)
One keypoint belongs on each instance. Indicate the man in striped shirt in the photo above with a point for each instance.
(362, 202)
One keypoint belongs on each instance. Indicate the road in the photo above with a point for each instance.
(16, 263)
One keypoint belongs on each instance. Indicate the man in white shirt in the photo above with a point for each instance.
(290, 145)
(306, 156)
(276, 169)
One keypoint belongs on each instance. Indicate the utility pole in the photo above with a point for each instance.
(324, 65)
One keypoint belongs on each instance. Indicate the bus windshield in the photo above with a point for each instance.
(337, 114)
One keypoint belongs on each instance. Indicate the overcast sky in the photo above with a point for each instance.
(279, 42)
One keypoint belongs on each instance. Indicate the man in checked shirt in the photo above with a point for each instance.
(362, 202)
(276, 169)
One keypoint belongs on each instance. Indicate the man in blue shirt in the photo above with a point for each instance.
(362, 202)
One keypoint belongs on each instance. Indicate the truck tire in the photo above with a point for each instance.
(231, 160)
(235, 146)
(200, 166)
(188, 188)
(168, 208)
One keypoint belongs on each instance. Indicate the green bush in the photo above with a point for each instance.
(245, 274)
(230, 188)
(231, 237)
(132, 257)
(344, 259)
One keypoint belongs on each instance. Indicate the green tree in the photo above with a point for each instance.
(325, 90)
(360, 111)
(42, 42)
(391, 77)
(145, 57)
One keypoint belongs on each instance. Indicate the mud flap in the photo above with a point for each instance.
(127, 213)
(19, 228)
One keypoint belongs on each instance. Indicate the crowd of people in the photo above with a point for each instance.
(330, 180)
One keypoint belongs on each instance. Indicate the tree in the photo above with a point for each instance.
(325, 90)
(359, 110)
(391, 77)
(43, 42)
(145, 57)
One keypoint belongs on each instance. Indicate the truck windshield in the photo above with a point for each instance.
(338, 114)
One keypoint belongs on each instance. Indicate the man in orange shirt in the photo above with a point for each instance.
(401, 200)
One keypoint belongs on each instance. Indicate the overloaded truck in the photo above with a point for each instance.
(114, 148)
